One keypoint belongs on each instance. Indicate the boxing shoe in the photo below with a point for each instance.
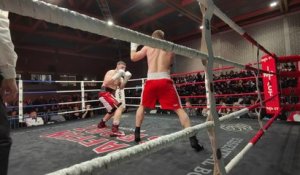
(115, 131)
(137, 137)
(194, 144)
(101, 124)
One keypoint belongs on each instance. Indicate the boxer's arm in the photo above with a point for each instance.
(108, 78)
(136, 56)
(124, 80)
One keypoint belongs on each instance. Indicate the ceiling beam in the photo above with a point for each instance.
(283, 4)
(87, 4)
(186, 36)
(56, 35)
(247, 16)
(158, 15)
(286, 5)
(259, 15)
(183, 11)
(31, 30)
(293, 3)
(73, 4)
(145, 21)
(61, 52)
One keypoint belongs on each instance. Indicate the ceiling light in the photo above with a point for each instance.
(110, 23)
(273, 4)
(201, 27)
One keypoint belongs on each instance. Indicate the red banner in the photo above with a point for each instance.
(270, 83)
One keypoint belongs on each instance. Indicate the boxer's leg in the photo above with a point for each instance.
(138, 122)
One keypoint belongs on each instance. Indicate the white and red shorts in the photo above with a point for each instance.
(108, 100)
(159, 87)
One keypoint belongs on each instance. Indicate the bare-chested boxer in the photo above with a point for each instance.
(159, 86)
(113, 79)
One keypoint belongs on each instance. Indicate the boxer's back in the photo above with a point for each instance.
(158, 60)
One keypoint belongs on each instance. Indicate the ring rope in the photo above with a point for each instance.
(217, 81)
(212, 115)
(57, 81)
(109, 160)
(62, 16)
(202, 71)
(218, 95)
(41, 114)
(63, 91)
(53, 104)
(100, 27)
(234, 26)
(80, 110)
(259, 98)
(132, 97)
(115, 158)
(246, 110)
(214, 69)
(133, 88)
(251, 143)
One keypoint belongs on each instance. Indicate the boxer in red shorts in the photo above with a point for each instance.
(159, 86)
(113, 79)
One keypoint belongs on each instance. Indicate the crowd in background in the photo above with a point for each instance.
(47, 109)
(286, 82)
(230, 83)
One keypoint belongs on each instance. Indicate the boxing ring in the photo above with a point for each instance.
(168, 147)
(33, 154)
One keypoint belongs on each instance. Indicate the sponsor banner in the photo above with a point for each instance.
(270, 83)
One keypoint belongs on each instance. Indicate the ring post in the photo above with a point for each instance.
(82, 95)
(207, 9)
(21, 117)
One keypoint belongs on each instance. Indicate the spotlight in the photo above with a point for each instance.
(110, 22)
(273, 4)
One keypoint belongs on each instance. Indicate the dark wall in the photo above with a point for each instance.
(48, 63)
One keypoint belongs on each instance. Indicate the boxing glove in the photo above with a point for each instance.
(127, 76)
(133, 47)
(120, 73)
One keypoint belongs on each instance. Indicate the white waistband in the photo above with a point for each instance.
(3, 13)
(158, 75)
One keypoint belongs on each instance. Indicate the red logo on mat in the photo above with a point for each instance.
(99, 139)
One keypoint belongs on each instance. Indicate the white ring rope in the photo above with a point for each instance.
(62, 16)
(97, 164)
(133, 88)
(81, 110)
(58, 81)
(115, 158)
(65, 17)
(132, 97)
(137, 79)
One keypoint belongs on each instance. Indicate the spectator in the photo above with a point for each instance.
(88, 112)
(33, 119)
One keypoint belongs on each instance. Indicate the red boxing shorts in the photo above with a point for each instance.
(160, 88)
(108, 100)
